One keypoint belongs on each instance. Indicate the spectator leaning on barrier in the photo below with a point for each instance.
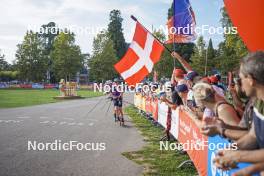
(208, 114)
(175, 98)
(206, 96)
(252, 144)
(182, 90)
(220, 83)
(177, 77)
(191, 78)
(242, 103)
(229, 131)
(217, 88)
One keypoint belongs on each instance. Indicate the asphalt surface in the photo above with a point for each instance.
(67, 121)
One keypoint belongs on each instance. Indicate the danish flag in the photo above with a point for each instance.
(142, 54)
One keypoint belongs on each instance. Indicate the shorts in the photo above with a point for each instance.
(118, 103)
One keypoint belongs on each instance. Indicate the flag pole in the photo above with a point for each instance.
(136, 20)
(183, 62)
(173, 39)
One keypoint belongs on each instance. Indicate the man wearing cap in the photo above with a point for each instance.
(176, 101)
(177, 77)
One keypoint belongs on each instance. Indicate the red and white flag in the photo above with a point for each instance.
(142, 54)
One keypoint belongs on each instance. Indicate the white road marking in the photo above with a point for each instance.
(62, 123)
(68, 118)
(43, 117)
(24, 117)
(92, 120)
(44, 122)
(10, 121)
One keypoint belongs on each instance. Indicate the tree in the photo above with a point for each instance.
(199, 56)
(164, 67)
(103, 58)
(7, 76)
(30, 60)
(48, 33)
(66, 56)
(231, 50)
(115, 32)
(4, 65)
(211, 60)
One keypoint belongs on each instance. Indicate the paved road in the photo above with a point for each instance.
(66, 121)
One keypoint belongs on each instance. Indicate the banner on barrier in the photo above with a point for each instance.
(154, 108)
(162, 114)
(148, 104)
(143, 104)
(214, 144)
(26, 86)
(175, 123)
(198, 146)
(190, 134)
(4, 86)
(37, 86)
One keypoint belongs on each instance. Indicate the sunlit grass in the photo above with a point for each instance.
(10, 98)
(154, 160)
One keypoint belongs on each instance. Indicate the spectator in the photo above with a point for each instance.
(182, 90)
(205, 96)
(177, 77)
(252, 144)
(192, 78)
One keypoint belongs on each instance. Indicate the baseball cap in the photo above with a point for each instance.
(213, 79)
(191, 75)
(178, 73)
(182, 88)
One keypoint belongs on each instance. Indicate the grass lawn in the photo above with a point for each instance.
(10, 98)
(154, 160)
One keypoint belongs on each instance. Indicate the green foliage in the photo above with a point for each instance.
(199, 56)
(154, 160)
(170, 11)
(226, 58)
(115, 31)
(48, 35)
(103, 58)
(232, 49)
(11, 98)
(6, 76)
(4, 65)
(30, 59)
(166, 64)
(51, 50)
(66, 56)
